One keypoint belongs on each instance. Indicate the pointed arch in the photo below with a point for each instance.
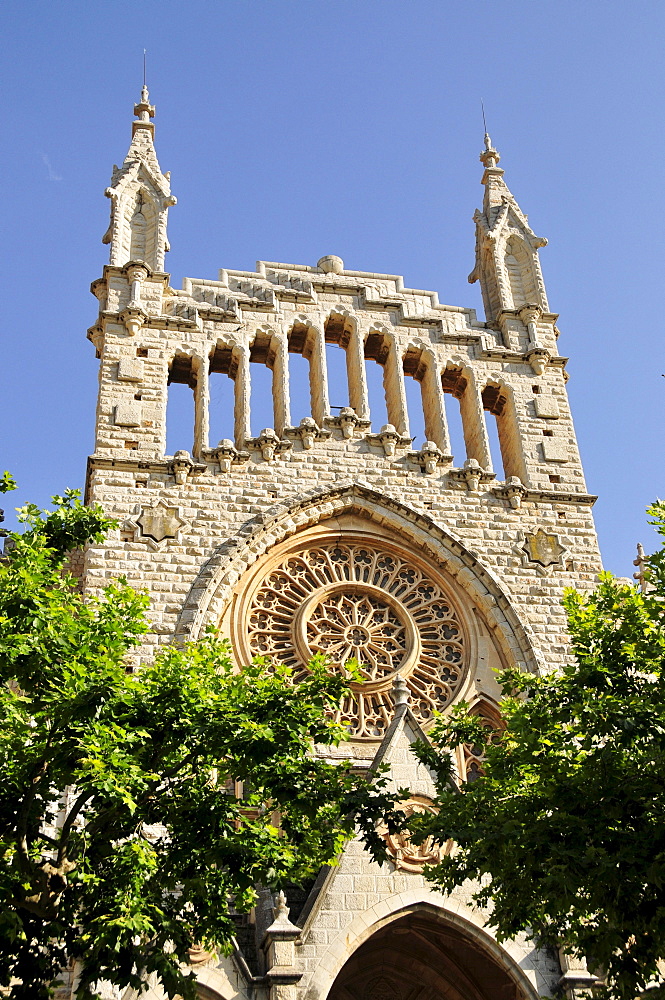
(466, 923)
(214, 586)
(473, 755)
(142, 227)
(520, 272)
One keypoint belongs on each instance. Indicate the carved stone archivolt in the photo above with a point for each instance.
(358, 599)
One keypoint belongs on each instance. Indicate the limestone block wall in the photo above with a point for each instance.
(200, 505)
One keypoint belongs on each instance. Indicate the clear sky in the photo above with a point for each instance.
(297, 128)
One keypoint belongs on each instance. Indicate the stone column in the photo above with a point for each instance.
(280, 951)
(280, 385)
(318, 376)
(242, 391)
(201, 405)
(473, 422)
(355, 366)
(436, 425)
(393, 381)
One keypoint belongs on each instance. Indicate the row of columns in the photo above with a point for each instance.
(434, 407)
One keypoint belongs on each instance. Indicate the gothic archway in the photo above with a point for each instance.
(421, 957)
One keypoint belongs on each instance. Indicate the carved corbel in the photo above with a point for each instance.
(307, 432)
(133, 317)
(181, 466)
(430, 457)
(348, 421)
(514, 491)
(389, 439)
(268, 442)
(225, 453)
(538, 358)
(472, 474)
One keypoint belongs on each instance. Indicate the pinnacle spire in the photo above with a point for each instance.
(140, 197)
(507, 264)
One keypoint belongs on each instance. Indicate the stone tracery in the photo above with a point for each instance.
(352, 600)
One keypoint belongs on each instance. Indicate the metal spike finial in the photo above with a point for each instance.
(145, 95)
(488, 141)
(144, 111)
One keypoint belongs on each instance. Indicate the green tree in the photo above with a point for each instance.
(122, 841)
(566, 829)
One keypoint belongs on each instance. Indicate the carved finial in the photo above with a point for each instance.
(144, 110)
(489, 156)
(640, 563)
(280, 910)
(400, 691)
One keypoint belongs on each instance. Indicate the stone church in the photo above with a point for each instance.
(330, 531)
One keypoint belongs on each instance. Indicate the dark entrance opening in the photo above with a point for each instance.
(421, 957)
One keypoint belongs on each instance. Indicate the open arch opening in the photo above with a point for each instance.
(262, 388)
(380, 347)
(505, 445)
(180, 406)
(420, 957)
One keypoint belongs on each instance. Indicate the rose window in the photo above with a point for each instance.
(353, 601)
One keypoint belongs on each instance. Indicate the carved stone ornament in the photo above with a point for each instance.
(159, 522)
(199, 956)
(414, 857)
(355, 600)
(382, 988)
(543, 548)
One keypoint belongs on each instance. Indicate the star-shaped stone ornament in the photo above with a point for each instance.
(159, 522)
(543, 548)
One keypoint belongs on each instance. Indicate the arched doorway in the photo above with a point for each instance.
(418, 957)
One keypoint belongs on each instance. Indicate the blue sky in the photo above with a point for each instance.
(297, 128)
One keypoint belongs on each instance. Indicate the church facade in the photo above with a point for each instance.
(333, 534)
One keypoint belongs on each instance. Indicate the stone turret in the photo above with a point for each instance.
(508, 268)
(140, 198)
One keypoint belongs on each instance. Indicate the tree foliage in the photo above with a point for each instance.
(566, 829)
(122, 841)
